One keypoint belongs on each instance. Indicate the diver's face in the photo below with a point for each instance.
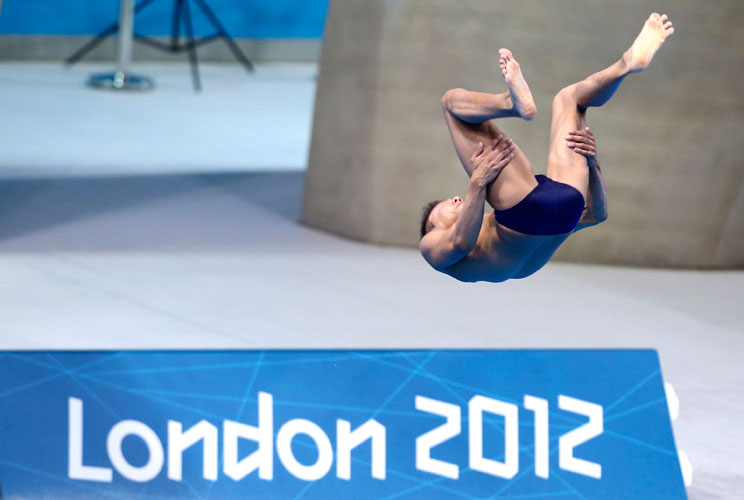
(446, 212)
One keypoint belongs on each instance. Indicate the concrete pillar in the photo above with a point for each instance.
(671, 142)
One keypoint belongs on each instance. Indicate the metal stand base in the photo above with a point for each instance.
(181, 16)
(120, 81)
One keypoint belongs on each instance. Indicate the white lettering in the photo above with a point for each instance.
(75, 467)
(439, 435)
(540, 407)
(154, 463)
(179, 441)
(346, 440)
(570, 440)
(510, 466)
(284, 448)
(261, 459)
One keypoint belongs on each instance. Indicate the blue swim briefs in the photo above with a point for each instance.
(551, 208)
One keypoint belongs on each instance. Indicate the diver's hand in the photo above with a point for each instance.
(487, 162)
(582, 142)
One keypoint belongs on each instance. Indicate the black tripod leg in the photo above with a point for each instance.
(176, 25)
(91, 44)
(110, 30)
(192, 47)
(239, 55)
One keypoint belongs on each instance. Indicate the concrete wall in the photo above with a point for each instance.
(671, 142)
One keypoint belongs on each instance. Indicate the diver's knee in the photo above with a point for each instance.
(450, 97)
(565, 97)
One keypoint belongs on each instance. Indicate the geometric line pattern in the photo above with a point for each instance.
(353, 385)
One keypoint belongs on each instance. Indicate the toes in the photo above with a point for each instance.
(664, 18)
(669, 31)
(655, 16)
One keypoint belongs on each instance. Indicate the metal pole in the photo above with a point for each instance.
(121, 79)
(124, 39)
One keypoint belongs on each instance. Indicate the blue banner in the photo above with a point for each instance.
(573, 424)
(242, 19)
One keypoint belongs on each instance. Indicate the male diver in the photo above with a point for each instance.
(533, 215)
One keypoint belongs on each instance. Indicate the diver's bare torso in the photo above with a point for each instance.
(502, 253)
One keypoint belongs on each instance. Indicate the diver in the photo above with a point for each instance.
(533, 215)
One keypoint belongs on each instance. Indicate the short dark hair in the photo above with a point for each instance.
(425, 213)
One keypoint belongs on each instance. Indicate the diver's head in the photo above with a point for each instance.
(440, 214)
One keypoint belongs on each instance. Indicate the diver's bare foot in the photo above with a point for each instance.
(518, 88)
(654, 32)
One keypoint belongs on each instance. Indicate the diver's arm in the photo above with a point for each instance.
(595, 211)
(444, 247)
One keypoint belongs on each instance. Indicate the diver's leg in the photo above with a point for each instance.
(570, 104)
(565, 165)
(469, 118)
(598, 88)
